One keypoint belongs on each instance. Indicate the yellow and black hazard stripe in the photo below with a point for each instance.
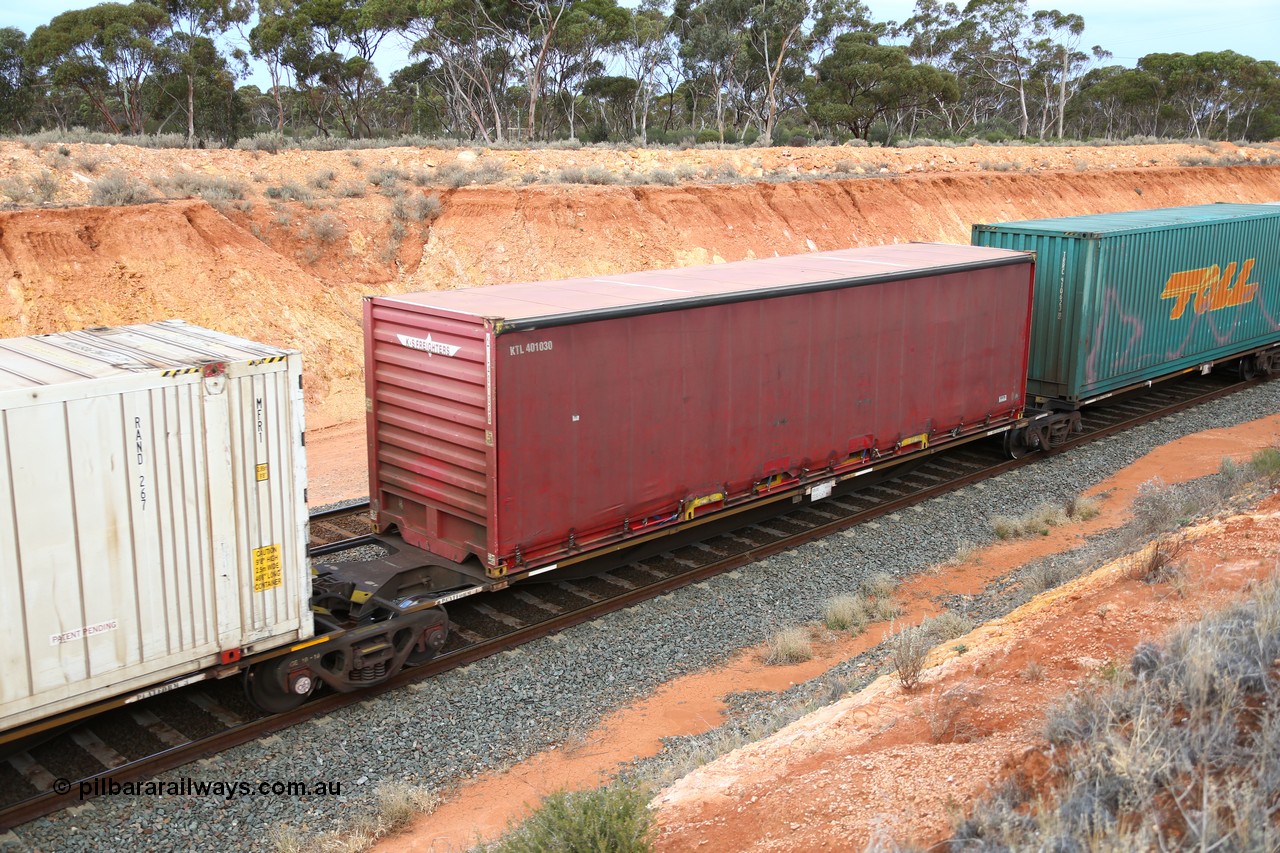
(181, 371)
(269, 360)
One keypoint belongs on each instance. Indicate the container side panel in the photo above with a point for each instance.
(1167, 300)
(1116, 309)
(52, 594)
(610, 423)
(428, 430)
(15, 653)
(101, 502)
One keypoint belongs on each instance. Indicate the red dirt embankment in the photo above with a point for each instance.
(77, 267)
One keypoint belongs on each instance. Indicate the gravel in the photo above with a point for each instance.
(500, 710)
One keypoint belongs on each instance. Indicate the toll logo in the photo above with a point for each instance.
(429, 346)
(1212, 287)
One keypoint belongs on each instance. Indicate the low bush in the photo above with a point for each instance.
(908, 648)
(117, 188)
(325, 228)
(207, 187)
(322, 179)
(599, 175)
(417, 208)
(44, 186)
(607, 820)
(288, 191)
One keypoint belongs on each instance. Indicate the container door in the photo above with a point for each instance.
(263, 462)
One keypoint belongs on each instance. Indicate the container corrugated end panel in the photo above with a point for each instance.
(1124, 299)
(152, 509)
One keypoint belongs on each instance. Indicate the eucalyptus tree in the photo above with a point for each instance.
(104, 51)
(647, 44)
(861, 82)
(281, 32)
(331, 51)
(588, 31)
(193, 24)
(16, 84)
(475, 63)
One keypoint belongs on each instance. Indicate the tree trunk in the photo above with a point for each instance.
(1062, 92)
(191, 108)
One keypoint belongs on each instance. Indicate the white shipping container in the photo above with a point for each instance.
(152, 510)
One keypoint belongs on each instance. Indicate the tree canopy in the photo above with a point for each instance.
(661, 71)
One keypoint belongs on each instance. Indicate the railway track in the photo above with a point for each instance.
(178, 727)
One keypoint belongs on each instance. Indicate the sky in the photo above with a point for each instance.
(1128, 29)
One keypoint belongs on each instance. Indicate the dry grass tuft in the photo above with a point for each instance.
(790, 645)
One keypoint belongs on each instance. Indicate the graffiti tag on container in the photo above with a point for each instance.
(1212, 288)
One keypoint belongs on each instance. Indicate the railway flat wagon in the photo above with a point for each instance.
(1124, 299)
(532, 425)
(152, 516)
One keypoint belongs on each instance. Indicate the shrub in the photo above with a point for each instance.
(326, 228)
(599, 175)
(207, 187)
(664, 177)
(45, 186)
(790, 645)
(615, 819)
(488, 173)
(381, 176)
(946, 626)
(1081, 509)
(15, 189)
(1037, 522)
(417, 208)
(727, 172)
(908, 649)
(453, 175)
(118, 188)
(352, 189)
(947, 715)
(1159, 561)
(322, 179)
(1265, 464)
(288, 191)
(90, 161)
(1049, 574)
(873, 603)
(571, 175)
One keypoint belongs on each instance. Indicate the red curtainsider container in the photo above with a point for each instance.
(533, 424)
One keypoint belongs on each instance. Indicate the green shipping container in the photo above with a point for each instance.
(1125, 298)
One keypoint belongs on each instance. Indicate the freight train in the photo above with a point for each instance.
(152, 478)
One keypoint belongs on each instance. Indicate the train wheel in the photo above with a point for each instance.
(1248, 368)
(1015, 444)
(428, 644)
(273, 689)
